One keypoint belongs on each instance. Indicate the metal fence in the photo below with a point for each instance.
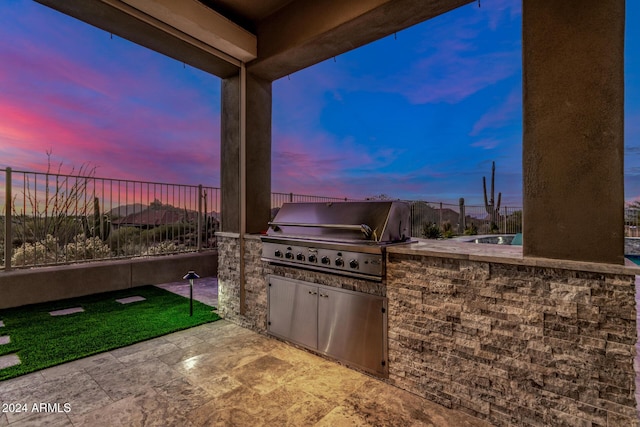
(277, 199)
(436, 219)
(50, 219)
(632, 221)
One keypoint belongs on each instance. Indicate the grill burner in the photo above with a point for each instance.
(346, 238)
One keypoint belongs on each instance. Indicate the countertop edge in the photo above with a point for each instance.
(505, 255)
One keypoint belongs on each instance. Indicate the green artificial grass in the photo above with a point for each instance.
(42, 340)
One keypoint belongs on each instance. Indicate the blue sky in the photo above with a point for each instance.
(418, 115)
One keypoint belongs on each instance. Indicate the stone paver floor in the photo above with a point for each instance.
(214, 374)
(205, 289)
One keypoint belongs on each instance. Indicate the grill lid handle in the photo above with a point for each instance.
(363, 228)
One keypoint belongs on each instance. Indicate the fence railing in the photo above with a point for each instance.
(277, 199)
(632, 222)
(436, 219)
(50, 219)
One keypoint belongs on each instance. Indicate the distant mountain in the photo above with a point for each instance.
(126, 210)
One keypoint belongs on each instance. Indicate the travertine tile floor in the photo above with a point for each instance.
(214, 374)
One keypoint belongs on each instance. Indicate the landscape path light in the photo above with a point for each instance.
(191, 275)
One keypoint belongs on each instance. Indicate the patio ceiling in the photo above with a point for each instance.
(273, 38)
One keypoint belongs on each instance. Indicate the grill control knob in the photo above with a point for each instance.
(339, 262)
(313, 258)
(278, 253)
(325, 260)
(300, 257)
(353, 263)
(288, 255)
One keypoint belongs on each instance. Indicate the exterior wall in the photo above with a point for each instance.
(514, 344)
(22, 287)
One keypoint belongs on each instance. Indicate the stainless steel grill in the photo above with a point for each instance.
(346, 238)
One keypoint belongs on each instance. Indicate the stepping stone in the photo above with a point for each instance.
(5, 339)
(9, 360)
(129, 300)
(66, 311)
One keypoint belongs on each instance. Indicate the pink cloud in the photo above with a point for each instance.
(130, 119)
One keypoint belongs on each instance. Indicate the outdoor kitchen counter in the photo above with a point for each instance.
(479, 327)
(503, 254)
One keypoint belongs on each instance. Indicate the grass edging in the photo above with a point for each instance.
(42, 341)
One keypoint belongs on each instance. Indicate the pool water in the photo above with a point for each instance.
(634, 258)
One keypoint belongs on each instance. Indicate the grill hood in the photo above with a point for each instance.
(361, 222)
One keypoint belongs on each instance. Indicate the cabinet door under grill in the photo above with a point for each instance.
(351, 327)
(293, 311)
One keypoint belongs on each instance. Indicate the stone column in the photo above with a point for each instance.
(573, 141)
(258, 154)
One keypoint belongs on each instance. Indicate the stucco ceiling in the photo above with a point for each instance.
(246, 13)
(273, 38)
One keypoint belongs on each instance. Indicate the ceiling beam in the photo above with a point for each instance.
(306, 32)
(123, 20)
(202, 23)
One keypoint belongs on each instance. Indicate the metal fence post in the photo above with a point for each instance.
(504, 220)
(462, 224)
(199, 224)
(7, 223)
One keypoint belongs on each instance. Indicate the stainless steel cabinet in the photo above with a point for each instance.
(349, 326)
(293, 312)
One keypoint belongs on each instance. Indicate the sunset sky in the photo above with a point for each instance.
(418, 115)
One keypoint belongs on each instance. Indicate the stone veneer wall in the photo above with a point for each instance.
(632, 245)
(256, 271)
(514, 344)
(229, 282)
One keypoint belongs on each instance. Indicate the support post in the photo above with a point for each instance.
(243, 182)
(245, 163)
(199, 223)
(573, 129)
(8, 240)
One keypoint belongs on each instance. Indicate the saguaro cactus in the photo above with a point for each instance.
(492, 208)
(101, 226)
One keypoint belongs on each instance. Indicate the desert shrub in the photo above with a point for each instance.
(471, 230)
(44, 251)
(447, 230)
(431, 230)
(124, 239)
(129, 249)
(165, 247)
(168, 232)
(83, 248)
